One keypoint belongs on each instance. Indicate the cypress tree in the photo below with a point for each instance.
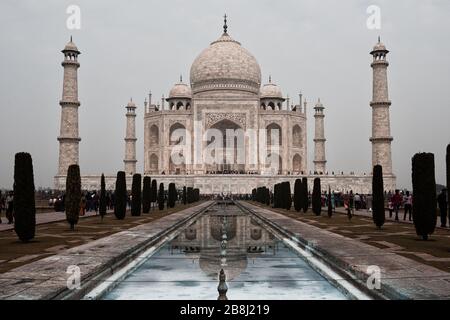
(184, 195)
(189, 195)
(288, 195)
(172, 195)
(146, 194)
(23, 201)
(154, 192)
(196, 194)
(136, 198)
(161, 196)
(73, 195)
(317, 197)
(275, 195)
(305, 194)
(448, 171)
(120, 196)
(102, 204)
(297, 197)
(378, 196)
(267, 196)
(424, 191)
(330, 204)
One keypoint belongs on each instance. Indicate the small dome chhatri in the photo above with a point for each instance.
(180, 90)
(225, 65)
(379, 47)
(71, 47)
(131, 104)
(271, 90)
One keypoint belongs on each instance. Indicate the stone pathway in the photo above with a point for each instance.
(368, 214)
(42, 218)
(401, 277)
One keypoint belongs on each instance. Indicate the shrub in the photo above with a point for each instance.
(172, 195)
(146, 195)
(448, 171)
(317, 197)
(330, 204)
(297, 195)
(24, 203)
(288, 195)
(161, 196)
(136, 191)
(154, 192)
(102, 204)
(305, 201)
(73, 195)
(378, 196)
(120, 196)
(424, 191)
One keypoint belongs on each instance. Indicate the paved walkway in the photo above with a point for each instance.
(368, 214)
(47, 217)
(401, 277)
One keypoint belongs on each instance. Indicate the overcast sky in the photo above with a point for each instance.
(130, 47)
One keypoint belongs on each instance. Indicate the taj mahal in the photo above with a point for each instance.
(226, 130)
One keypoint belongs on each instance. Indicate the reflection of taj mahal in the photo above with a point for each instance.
(225, 240)
(224, 131)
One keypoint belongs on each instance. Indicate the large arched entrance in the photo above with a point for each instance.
(226, 145)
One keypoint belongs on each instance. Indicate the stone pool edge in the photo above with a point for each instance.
(47, 279)
(401, 278)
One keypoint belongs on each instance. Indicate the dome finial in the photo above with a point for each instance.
(71, 38)
(270, 78)
(225, 26)
(379, 39)
(181, 78)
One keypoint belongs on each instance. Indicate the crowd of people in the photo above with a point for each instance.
(395, 203)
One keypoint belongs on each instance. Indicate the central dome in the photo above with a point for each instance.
(225, 65)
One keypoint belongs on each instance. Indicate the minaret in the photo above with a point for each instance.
(381, 131)
(130, 139)
(68, 136)
(319, 139)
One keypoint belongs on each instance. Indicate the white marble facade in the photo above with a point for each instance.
(263, 140)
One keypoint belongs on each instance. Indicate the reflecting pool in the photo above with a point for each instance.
(257, 265)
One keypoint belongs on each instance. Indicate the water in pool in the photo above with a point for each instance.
(257, 265)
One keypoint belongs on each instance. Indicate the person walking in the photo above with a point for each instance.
(397, 200)
(83, 205)
(442, 202)
(408, 205)
(357, 202)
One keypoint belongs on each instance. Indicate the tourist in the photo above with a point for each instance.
(357, 202)
(408, 205)
(83, 205)
(397, 200)
(9, 207)
(442, 202)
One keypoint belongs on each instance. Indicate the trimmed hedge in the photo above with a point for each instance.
(424, 190)
(378, 214)
(120, 196)
(102, 204)
(146, 195)
(73, 195)
(317, 197)
(23, 201)
(136, 192)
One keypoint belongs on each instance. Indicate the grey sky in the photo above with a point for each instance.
(129, 47)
